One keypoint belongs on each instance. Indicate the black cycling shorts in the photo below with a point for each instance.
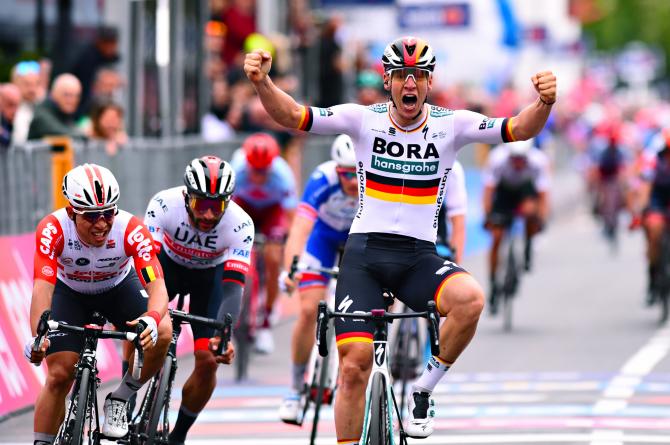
(125, 302)
(205, 289)
(506, 201)
(408, 267)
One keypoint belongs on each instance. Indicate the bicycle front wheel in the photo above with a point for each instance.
(379, 432)
(160, 406)
(77, 433)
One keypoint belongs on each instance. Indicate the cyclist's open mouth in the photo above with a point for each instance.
(99, 235)
(409, 101)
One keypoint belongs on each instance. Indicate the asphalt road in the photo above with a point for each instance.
(585, 363)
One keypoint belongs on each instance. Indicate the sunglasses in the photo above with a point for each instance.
(201, 205)
(346, 173)
(403, 74)
(92, 216)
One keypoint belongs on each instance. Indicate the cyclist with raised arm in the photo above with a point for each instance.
(266, 190)
(319, 231)
(405, 149)
(655, 173)
(205, 241)
(516, 182)
(83, 264)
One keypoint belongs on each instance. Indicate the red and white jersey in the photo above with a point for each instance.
(60, 253)
(229, 242)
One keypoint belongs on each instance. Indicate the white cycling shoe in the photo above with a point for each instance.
(265, 344)
(115, 424)
(291, 409)
(420, 419)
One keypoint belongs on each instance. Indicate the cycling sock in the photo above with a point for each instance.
(185, 420)
(128, 386)
(436, 368)
(43, 438)
(299, 376)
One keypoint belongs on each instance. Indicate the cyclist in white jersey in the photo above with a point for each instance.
(405, 149)
(84, 263)
(205, 242)
(516, 182)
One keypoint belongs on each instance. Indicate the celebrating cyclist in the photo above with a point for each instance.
(83, 265)
(266, 190)
(205, 241)
(656, 196)
(405, 149)
(317, 234)
(516, 183)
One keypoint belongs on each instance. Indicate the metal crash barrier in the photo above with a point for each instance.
(30, 175)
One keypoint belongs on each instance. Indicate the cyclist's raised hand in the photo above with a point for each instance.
(149, 335)
(227, 356)
(35, 357)
(257, 65)
(545, 85)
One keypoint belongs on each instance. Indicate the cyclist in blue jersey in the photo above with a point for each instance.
(319, 231)
(405, 149)
(266, 190)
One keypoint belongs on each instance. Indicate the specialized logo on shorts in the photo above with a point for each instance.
(448, 265)
(345, 304)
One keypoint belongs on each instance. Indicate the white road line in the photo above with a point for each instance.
(622, 387)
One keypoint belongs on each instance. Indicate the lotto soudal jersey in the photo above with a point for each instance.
(228, 242)
(402, 171)
(325, 202)
(501, 170)
(60, 253)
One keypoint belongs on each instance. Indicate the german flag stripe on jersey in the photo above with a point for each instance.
(412, 191)
(306, 119)
(148, 274)
(506, 130)
(353, 337)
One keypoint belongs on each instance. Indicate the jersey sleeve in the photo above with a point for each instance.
(457, 198)
(315, 194)
(289, 196)
(154, 219)
(472, 127)
(138, 245)
(345, 118)
(237, 258)
(49, 242)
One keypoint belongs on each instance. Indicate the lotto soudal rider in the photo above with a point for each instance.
(391, 242)
(205, 241)
(84, 259)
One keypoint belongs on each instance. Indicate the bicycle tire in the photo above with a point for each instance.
(82, 407)
(406, 366)
(379, 428)
(663, 278)
(158, 405)
(509, 287)
(242, 337)
(318, 401)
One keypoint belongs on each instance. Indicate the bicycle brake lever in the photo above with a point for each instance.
(294, 267)
(138, 362)
(322, 329)
(226, 333)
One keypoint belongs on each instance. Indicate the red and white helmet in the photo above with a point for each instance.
(210, 177)
(91, 186)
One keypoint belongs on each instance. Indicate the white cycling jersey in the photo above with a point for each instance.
(403, 171)
(229, 241)
(94, 270)
(456, 202)
(500, 170)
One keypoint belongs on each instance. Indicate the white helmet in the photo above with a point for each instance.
(342, 151)
(91, 186)
(520, 148)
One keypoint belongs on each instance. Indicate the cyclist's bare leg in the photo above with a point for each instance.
(302, 344)
(531, 213)
(462, 301)
(497, 233)
(50, 403)
(201, 383)
(654, 224)
(355, 366)
(272, 256)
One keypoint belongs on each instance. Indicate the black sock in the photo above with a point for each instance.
(185, 420)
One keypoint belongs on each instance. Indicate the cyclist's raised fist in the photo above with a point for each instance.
(545, 85)
(257, 65)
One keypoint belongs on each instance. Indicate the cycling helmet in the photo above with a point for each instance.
(210, 177)
(520, 148)
(342, 151)
(408, 52)
(260, 150)
(90, 186)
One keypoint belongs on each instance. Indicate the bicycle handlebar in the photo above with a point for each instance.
(45, 325)
(225, 327)
(297, 267)
(379, 315)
